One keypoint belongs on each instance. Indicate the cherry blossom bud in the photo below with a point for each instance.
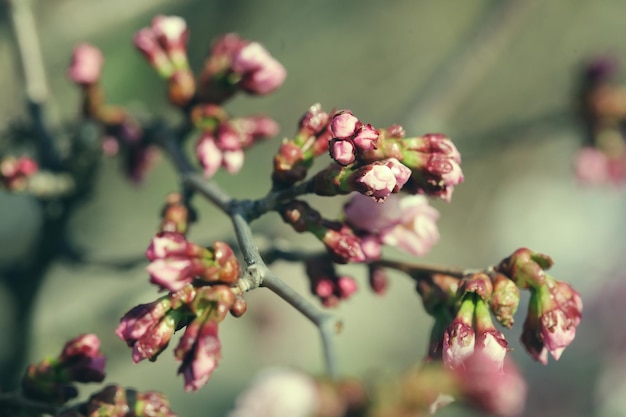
(86, 66)
(375, 180)
(347, 286)
(459, 337)
(378, 279)
(287, 167)
(278, 393)
(479, 284)
(344, 124)
(407, 222)
(371, 247)
(155, 339)
(494, 390)
(260, 72)
(233, 160)
(82, 360)
(172, 34)
(199, 350)
(325, 283)
(177, 214)
(146, 41)
(504, 299)
(314, 121)
(489, 340)
(115, 401)
(172, 273)
(365, 137)
(395, 132)
(209, 155)
(239, 308)
(15, 171)
(167, 244)
(343, 244)
(342, 151)
(400, 171)
(225, 266)
(437, 143)
(181, 88)
(140, 319)
(526, 268)
(152, 404)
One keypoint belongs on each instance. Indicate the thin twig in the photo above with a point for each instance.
(417, 270)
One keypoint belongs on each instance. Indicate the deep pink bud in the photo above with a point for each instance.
(140, 319)
(200, 350)
(154, 340)
(347, 286)
(342, 151)
(324, 288)
(82, 360)
(366, 137)
(167, 244)
(344, 245)
(209, 155)
(378, 280)
(172, 273)
(344, 124)
(260, 72)
(86, 65)
(314, 121)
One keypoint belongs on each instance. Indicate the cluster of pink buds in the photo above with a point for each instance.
(295, 156)
(325, 283)
(115, 401)
(223, 140)
(164, 44)
(236, 63)
(51, 379)
(176, 262)
(199, 280)
(14, 172)
(554, 309)
(378, 162)
(472, 330)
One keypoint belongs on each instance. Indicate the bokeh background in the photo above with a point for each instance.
(499, 77)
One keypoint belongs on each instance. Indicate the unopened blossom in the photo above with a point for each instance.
(504, 299)
(15, 171)
(344, 124)
(591, 166)
(342, 151)
(554, 312)
(459, 338)
(232, 161)
(489, 341)
(82, 360)
(146, 41)
(278, 393)
(376, 180)
(260, 72)
(172, 34)
(378, 279)
(365, 137)
(406, 222)
(86, 65)
(199, 350)
(326, 283)
(209, 155)
(496, 390)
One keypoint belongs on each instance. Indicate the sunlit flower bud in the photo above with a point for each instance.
(209, 155)
(365, 137)
(459, 338)
(342, 151)
(86, 66)
(344, 124)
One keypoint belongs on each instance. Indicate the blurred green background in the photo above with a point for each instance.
(499, 77)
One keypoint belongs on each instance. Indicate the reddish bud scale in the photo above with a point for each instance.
(181, 88)
(301, 216)
(504, 300)
(479, 284)
(525, 268)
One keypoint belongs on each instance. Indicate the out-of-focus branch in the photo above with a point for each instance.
(36, 89)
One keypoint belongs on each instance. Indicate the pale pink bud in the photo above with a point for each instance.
(171, 273)
(344, 124)
(376, 181)
(458, 344)
(86, 64)
(200, 351)
(366, 137)
(493, 345)
(371, 247)
(314, 121)
(166, 244)
(233, 160)
(400, 171)
(260, 72)
(342, 151)
(146, 41)
(592, 166)
(324, 288)
(447, 169)
(209, 155)
(344, 245)
(171, 31)
(557, 332)
(440, 143)
(138, 320)
(228, 138)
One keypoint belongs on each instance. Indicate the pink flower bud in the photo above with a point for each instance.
(493, 345)
(376, 181)
(233, 160)
(209, 154)
(344, 124)
(400, 171)
(228, 138)
(171, 273)
(314, 121)
(592, 166)
(171, 32)
(366, 137)
(140, 319)
(458, 343)
(324, 288)
(347, 286)
(342, 151)
(146, 41)
(200, 350)
(82, 360)
(86, 65)
(344, 245)
(154, 340)
(166, 244)
(440, 143)
(378, 280)
(444, 169)
(260, 72)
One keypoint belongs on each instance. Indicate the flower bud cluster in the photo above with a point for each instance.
(239, 64)
(222, 140)
(325, 283)
(115, 401)
(378, 162)
(51, 380)
(554, 309)
(164, 45)
(295, 156)
(199, 281)
(86, 65)
(14, 172)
